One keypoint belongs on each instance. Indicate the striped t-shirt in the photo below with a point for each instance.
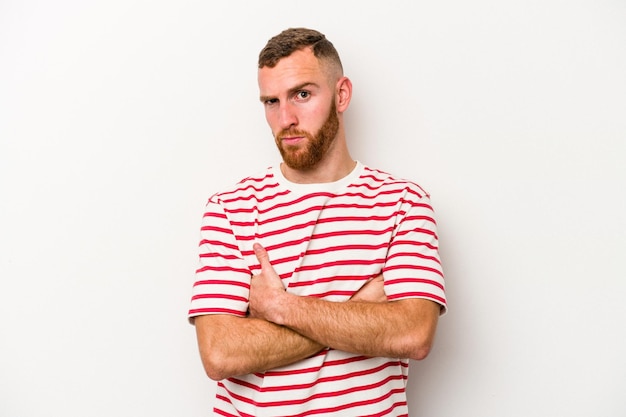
(324, 240)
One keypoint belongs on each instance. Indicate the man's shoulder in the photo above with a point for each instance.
(258, 182)
(382, 178)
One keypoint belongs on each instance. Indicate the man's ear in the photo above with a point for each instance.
(344, 94)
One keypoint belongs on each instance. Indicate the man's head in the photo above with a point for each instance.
(304, 93)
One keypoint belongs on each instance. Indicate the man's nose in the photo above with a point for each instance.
(287, 116)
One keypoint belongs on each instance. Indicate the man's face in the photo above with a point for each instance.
(300, 109)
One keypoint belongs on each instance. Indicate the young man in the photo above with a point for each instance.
(319, 278)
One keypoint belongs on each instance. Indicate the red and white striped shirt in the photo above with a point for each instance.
(324, 240)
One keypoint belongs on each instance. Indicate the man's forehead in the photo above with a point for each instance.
(289, 72)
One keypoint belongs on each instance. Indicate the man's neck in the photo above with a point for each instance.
(324, 172)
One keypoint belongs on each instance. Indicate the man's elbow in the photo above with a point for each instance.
(215, 367)
(214, 374)
(421, 351)
(419, 342)
(216, 360)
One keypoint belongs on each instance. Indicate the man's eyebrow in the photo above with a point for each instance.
(291, 91)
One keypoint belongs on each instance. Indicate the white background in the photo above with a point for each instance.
(118, 119)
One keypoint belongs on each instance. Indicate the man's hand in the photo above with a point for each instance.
(373, 291)
(266, 289)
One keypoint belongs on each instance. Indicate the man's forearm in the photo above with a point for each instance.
(394, 329)
(403, 328)
(232, 346)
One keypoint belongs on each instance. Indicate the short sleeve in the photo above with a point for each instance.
(413, 267)
(222, 283)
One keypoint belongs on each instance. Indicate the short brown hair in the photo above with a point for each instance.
(294, 39)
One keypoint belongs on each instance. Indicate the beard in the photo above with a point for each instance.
(305, 157)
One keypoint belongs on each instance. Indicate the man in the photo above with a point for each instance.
(319, 278)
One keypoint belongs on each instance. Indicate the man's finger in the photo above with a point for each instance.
(262, 256)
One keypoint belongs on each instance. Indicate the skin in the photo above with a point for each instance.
(267, 345)
(403, 329)
(282, 328)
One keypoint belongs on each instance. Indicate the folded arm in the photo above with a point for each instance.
(231, 345)
(403, 328)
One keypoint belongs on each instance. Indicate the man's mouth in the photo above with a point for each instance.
(291, 140)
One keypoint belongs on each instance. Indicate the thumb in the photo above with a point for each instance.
(262, 256)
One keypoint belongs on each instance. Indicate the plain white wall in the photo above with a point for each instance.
(118, 119)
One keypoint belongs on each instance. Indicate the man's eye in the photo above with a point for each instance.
(302, 95)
